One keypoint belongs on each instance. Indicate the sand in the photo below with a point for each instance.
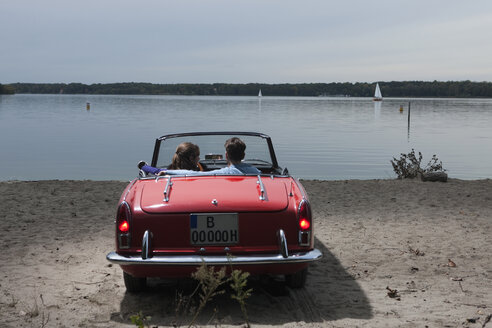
(374, 234)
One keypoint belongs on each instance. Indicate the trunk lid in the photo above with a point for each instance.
(214, 194)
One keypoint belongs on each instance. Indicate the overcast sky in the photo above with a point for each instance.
(279, 41)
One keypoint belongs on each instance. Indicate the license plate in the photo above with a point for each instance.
(214, 229)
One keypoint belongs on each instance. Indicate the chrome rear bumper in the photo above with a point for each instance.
(178, 260)
(148, 258)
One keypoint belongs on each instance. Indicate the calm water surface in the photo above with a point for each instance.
(55, 137)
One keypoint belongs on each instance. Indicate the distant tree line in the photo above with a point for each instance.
(461, 89)
(6, 89)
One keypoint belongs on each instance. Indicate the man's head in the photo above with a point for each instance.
(235, 148)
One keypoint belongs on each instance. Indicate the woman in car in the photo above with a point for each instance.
(186, 157)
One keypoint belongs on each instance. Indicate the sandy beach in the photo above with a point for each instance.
(428, 242)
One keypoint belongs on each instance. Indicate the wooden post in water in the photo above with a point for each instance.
(409, 114)
(408, 129)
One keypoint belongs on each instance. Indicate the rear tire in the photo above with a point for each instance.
(297, 280)
(134, 284)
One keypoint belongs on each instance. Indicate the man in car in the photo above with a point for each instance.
(234, 152)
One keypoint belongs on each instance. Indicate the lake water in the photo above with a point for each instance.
(55, 137)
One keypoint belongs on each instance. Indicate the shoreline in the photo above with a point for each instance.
(374, 234)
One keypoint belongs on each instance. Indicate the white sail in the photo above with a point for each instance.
(377, 93)
(259, 93)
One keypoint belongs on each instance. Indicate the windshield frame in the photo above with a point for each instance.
(155, 157)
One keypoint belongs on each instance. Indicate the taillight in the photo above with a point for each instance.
(304, 215)
(123, 224)
(304, 224)
(304, 219)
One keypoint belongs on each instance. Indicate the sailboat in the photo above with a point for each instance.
(377, 94)
(259, 94)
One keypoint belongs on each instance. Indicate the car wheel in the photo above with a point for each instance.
(297, 280)
(134, 284)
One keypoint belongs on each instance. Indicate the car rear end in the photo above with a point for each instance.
(166, 227)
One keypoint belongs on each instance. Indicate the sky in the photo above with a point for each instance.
(236, 41)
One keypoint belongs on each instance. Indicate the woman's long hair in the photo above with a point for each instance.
(185, 156)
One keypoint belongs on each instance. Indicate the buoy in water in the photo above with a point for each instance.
(401, 109)
(88, 106)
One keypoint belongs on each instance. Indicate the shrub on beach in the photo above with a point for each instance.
(408, 166)
(212, 282)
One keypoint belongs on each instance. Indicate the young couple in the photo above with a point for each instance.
(185, 161)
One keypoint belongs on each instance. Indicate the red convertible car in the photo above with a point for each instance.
(168, 225)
